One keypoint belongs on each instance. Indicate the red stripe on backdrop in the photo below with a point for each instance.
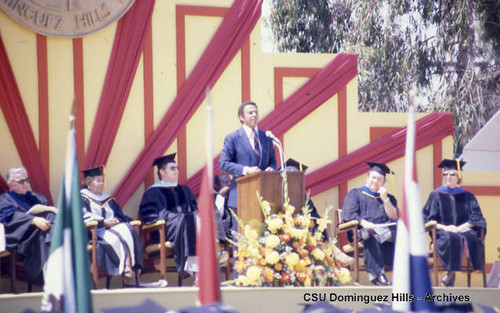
(147, 57)
(245, 72)
(43, 103)
(342, 129)
(78, 74)
(483, 190)
(379, 132)
(437, 156)
(19, 125)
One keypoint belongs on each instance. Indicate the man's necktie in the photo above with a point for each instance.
(256, 148)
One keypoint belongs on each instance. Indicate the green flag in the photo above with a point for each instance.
(67, 271)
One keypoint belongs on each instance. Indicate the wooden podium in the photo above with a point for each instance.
(269, 186)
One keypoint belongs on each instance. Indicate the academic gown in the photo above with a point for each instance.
(30, 242)
(177, 206)
(114, 243)
(455, 207)
(361, 203)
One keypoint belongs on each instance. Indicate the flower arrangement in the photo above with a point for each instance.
(285, 250)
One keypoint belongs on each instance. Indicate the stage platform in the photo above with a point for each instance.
(251, 300)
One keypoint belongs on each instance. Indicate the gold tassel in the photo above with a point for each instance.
(458, 168)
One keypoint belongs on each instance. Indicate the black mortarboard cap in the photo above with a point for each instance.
(452, 165)
(448, 165)
(297, 164)
(161, 161)
(95, 171)
(380, 168)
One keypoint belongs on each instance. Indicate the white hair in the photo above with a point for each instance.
(15, 170)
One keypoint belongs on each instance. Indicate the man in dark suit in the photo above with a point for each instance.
(247, 150)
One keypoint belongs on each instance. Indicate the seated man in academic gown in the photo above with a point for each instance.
(174, 203)
(223, 217)
(371, 205)
(459, 221)
(28, 233)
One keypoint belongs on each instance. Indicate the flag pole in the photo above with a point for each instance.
(209, 286)
(67, 270)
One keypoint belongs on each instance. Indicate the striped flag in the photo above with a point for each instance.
(67, 271)
(411, 289)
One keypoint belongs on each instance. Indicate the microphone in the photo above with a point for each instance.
(270, 135)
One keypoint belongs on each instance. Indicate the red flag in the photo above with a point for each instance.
(209, 287)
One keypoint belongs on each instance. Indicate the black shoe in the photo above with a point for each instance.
(381, 280)
(448, 279)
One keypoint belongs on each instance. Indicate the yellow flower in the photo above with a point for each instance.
(240, 266)
(344, 275)
(268, 274)
(311, 241)
(289, 209)
(298, 233)
(322, 224)
(301, 220)
(253, 275)
(305, 262)
(272, 241)
(275, 224)
(318, 254)
(292, 259)
(254, 252)
(250, 233)
(266, 207)
(301, 276)
(272, 257)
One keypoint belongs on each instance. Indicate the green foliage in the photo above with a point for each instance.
(446, 50)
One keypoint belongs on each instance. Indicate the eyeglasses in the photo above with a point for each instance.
(449, 174)
(23, 181)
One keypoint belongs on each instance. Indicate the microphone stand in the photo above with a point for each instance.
(284, 183)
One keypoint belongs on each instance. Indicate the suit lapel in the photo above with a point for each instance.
(246, 145)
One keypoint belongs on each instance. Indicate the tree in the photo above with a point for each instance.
(448, 51)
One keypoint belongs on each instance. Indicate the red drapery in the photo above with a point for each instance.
(229, 38)
(3, 185)
(19, 125)
(321, 87)
(431, 128)
(125, 56)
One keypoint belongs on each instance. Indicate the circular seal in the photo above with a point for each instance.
(65, 18)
